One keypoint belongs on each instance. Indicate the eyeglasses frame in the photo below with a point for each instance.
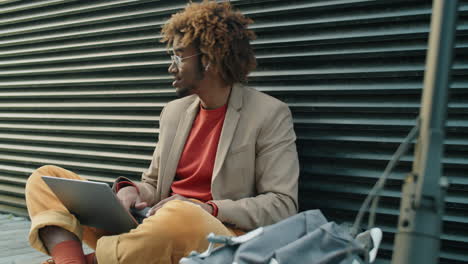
(178, 60)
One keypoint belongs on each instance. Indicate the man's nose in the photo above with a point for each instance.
(172, 68)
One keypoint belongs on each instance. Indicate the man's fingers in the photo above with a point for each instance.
(159, 205)
(128, 197)
(125, 204)
(141, 205)
(167, 199)
(155, 208)
(150, 212)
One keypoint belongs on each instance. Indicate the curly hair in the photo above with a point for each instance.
(221, 35)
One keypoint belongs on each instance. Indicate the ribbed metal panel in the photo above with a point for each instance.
(83, 83)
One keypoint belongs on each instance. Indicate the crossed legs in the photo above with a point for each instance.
(171, 233)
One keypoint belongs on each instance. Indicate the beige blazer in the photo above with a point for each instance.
(256, 170)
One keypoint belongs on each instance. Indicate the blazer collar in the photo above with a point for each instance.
(182, 132)
(235, 98)
(229, 127)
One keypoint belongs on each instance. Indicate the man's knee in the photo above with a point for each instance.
(51, 170)
(178, 218)
(35, 179)
(46, 170)
(37, 174)
(182, 211)
(177, 226)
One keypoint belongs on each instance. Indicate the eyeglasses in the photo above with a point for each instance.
(178, 60)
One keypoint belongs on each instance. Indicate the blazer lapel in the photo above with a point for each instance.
(229, 127)
(183, 130)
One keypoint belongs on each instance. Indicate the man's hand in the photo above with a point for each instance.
(129, 198)
(158, 206)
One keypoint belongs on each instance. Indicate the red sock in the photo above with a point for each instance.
(90, 258)
(68, 252)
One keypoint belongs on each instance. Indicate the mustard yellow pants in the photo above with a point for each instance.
(170, 234)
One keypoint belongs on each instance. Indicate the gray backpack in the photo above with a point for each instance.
(303, 238)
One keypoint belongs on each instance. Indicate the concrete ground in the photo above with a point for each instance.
(14, 245)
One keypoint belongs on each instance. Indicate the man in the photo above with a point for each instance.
(226, 160)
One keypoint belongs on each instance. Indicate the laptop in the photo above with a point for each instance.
(95, 204)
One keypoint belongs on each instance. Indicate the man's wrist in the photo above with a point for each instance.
(208, 208)
(214, 208)
(129, 187)
(123, 184)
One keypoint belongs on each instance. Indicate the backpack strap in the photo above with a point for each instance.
(226, 240)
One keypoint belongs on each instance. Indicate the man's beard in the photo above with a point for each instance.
(184, 91)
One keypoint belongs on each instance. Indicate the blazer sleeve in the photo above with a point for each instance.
(276, 177)
(149, 178)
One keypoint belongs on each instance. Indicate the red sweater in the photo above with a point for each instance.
(195, 169)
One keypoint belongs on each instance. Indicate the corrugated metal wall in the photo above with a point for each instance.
(82, 84)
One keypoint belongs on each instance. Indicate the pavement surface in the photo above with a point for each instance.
(14, 245)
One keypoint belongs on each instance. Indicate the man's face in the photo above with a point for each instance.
(187, 73)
